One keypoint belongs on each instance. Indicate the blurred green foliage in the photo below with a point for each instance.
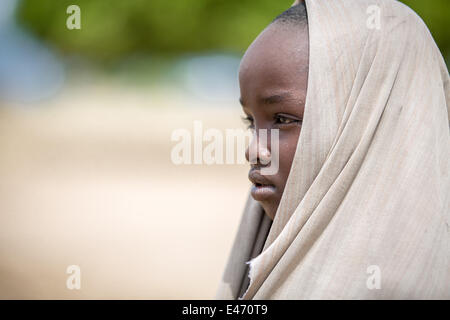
(113, 29)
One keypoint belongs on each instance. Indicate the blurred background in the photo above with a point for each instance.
(86, 117)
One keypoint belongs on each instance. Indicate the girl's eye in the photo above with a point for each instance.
(280, 119)
(248, 121)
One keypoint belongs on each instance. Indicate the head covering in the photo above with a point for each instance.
(368, 193)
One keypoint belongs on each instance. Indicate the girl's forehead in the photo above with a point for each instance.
(277, 47)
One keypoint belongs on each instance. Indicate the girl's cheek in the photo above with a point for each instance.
(287, 147)
(287, 144)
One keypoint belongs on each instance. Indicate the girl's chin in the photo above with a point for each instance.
(270, 209)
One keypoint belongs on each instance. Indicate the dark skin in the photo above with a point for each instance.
(273, 79)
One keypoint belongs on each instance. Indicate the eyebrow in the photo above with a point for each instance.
(272, 99)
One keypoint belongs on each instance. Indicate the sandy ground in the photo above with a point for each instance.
(86, 179)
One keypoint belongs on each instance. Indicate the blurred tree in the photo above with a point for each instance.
(112, 29)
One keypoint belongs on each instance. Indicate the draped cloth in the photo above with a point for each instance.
(365, 213)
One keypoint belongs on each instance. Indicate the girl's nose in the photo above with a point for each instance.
(258, 151)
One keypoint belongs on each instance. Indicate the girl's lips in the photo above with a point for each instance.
(261, 192)
(262, 187)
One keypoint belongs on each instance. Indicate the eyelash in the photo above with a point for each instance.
(250, 125)
(279, 117)
(248, 121)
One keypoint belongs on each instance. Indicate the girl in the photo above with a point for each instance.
(360, 206)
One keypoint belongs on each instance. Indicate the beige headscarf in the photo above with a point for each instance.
(366, 209)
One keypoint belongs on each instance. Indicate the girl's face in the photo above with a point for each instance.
(273, 79)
